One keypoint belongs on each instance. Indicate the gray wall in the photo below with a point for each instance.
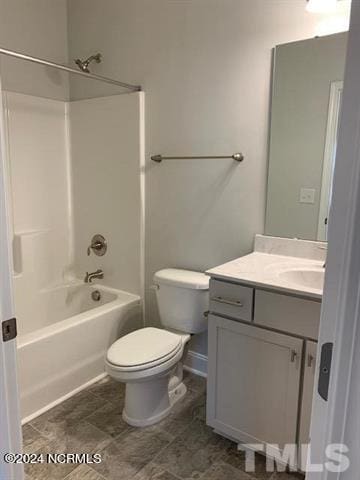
(303, 74)
(39, 28)
(205, 66)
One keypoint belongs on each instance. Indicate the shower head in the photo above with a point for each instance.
(84, 64)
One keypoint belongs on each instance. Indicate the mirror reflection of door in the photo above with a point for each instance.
(329, 157)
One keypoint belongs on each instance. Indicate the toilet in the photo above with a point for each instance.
(149, 360)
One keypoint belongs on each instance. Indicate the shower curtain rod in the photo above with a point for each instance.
(29, 58)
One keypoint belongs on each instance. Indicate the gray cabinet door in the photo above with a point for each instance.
(308, 388)
(253, 382)
(306, 401)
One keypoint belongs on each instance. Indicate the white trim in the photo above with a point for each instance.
(10, 435)
(196, 363)
(336, 89)
(69, 191)
(63, 398)
(142, 168)
(337, 421)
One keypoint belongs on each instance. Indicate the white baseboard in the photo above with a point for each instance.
(196, 363)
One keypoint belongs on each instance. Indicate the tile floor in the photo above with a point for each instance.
(181, 447)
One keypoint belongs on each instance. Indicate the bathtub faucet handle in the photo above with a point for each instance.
(98, 245)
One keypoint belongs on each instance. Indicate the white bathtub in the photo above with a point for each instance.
(67, 353)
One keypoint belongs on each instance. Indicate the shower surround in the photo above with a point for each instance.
(75, 169)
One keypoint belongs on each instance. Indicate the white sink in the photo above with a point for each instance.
(309, 277)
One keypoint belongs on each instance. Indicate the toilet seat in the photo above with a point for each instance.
(143, 349)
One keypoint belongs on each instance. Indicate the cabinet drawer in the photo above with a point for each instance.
(231, 300)
(290, 314)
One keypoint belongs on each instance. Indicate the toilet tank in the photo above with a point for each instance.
(183, 298)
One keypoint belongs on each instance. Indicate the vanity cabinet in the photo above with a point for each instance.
(253, 382)
(261, 364)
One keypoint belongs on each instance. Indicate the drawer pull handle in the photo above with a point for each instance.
(234, 303)
(293, 355)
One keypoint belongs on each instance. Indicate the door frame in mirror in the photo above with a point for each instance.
(336, 89)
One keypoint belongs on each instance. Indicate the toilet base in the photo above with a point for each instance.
(148, 403)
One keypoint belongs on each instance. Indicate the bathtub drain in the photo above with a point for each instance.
(96, 295)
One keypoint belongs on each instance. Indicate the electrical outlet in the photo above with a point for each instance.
(307, 195)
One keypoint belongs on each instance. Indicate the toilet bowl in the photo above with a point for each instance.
(149, 360)
(146, 360)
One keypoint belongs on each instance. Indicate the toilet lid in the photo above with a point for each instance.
(144, 346)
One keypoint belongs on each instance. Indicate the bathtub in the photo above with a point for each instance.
(66, 353)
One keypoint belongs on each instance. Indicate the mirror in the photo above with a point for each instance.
(305, 108)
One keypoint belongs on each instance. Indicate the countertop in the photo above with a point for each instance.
(267, 271)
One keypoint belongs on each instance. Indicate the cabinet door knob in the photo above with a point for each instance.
(294, 355)
(310, 360)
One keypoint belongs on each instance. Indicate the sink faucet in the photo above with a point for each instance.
(90, 276)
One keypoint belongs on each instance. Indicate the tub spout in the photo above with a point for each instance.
(90, 276)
